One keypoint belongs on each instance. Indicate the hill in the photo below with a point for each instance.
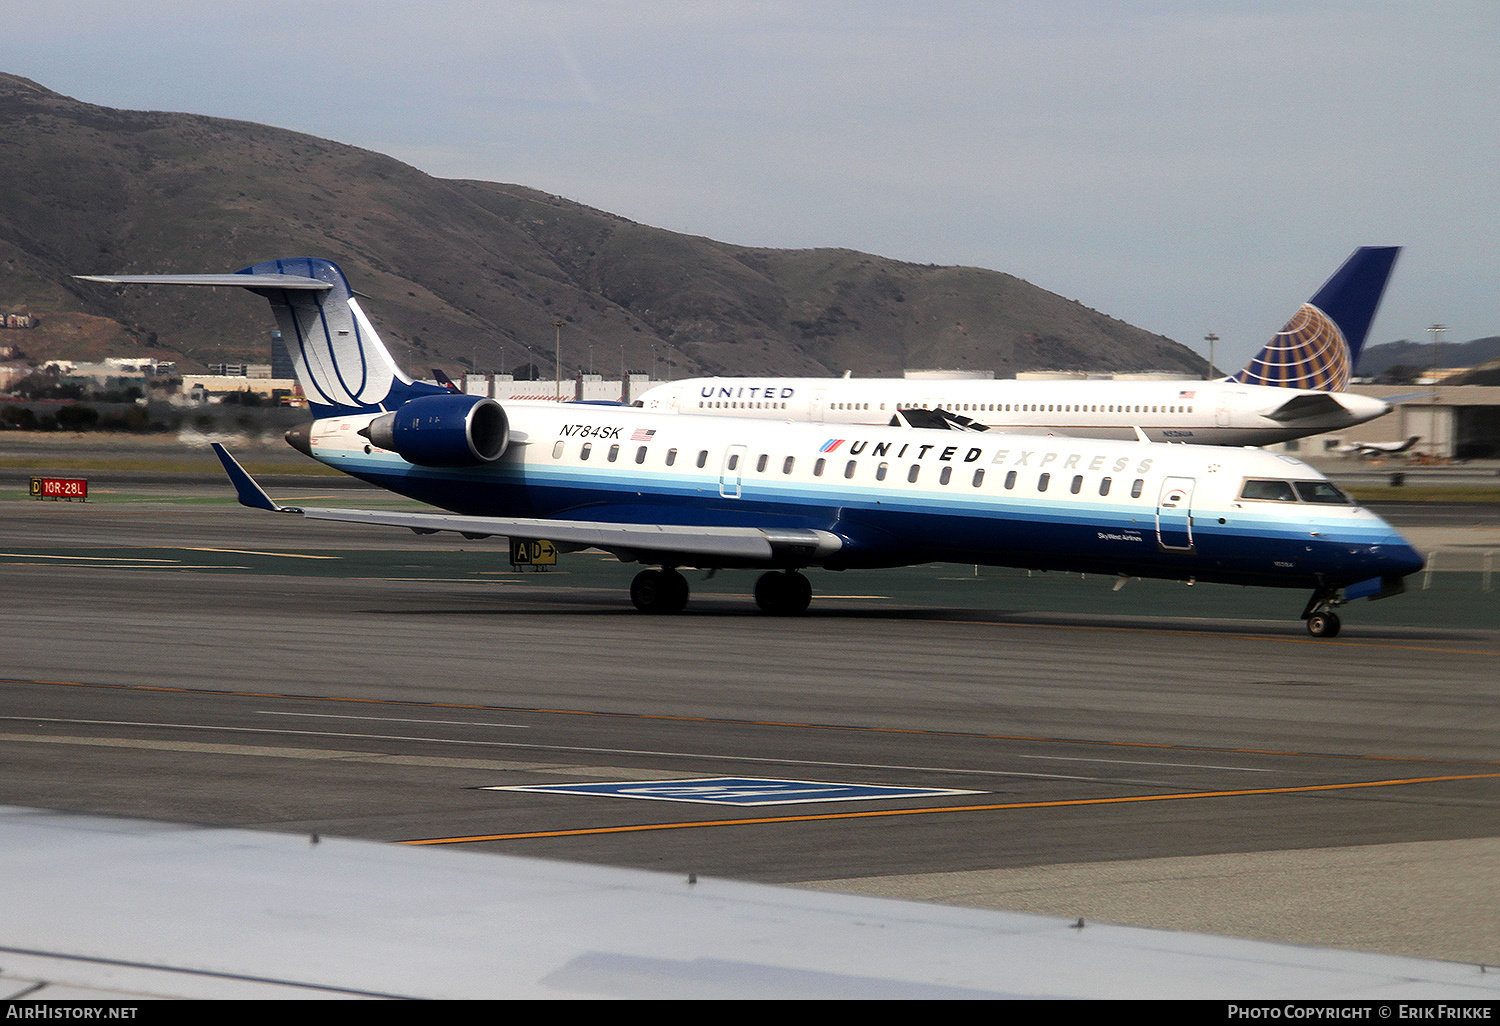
(1376, 360)
(468, 274)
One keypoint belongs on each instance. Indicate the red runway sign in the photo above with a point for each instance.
(69, 488)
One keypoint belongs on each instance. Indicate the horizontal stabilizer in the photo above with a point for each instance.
(1305, 407)
(336, 354)
(239, 281)
(939, 419)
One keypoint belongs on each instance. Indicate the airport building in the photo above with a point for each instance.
(583, 388)
(1459, 422)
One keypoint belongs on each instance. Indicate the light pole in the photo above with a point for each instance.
(557, 358)
(1210, 338)
(1436, 331)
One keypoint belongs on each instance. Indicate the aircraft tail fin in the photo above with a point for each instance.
(340, 361)
(1320, 346)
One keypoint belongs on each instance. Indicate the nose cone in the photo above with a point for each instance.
(1361, 408)
(1401, 560)
(300, 438)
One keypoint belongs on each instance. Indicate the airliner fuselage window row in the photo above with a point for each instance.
(1255, 490)
(765, 464)
(943, 404)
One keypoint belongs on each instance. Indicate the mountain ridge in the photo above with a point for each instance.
(471, 274)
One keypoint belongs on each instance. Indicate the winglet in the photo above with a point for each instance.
(250, 493)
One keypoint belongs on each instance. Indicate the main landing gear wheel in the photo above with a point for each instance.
(783, 594)
(659, 591)
(1323, 625)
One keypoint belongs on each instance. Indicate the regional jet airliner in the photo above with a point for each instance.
(673, 492)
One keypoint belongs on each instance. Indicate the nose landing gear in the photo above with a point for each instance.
(1324, 625)
(1322, 621)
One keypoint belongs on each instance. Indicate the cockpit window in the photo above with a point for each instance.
(1268, 491)
(1322, 491)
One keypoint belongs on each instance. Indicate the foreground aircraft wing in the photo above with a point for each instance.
(119, 910)
(636, 541)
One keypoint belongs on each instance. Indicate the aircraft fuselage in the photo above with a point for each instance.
(1201, 412)
(902, 497)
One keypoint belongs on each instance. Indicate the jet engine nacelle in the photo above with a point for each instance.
(443, 431)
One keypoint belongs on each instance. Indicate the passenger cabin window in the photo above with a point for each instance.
(881, 470)
(671, 457)
(614, 453)
(946, 475)
(734, 461)
(818, 468)
(640, 455)
(760, 464)
(583, 453)
(1042, 482)
(849, 468)
(978, 477)
(787, 464)
(1010, 479)
(1268, 491)
(1136, 487)
(1104, 486)
(557, 449)
(1077, 485)
(703, 458)
(911, 475)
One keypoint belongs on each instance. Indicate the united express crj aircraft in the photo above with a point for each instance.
(1293, 387)
(674, 492)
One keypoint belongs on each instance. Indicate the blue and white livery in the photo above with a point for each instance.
(1291, 389)
(676, 492)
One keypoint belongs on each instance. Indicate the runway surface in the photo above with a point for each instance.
(172, 656)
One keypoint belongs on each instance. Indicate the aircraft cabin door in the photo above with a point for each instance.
(1174, 515)
(817, 406)
(1221, 412)
(732, 471)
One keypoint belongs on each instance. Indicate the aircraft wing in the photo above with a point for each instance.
(118, 910)
(640, 542)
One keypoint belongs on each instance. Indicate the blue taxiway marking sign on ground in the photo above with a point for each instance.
(739, 791)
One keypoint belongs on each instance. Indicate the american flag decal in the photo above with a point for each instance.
(642, 434)
(1187, 394)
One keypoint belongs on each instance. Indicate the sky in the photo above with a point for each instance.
(1189, 167)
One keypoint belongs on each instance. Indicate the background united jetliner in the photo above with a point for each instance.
(1290, 390)
(688, 492)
